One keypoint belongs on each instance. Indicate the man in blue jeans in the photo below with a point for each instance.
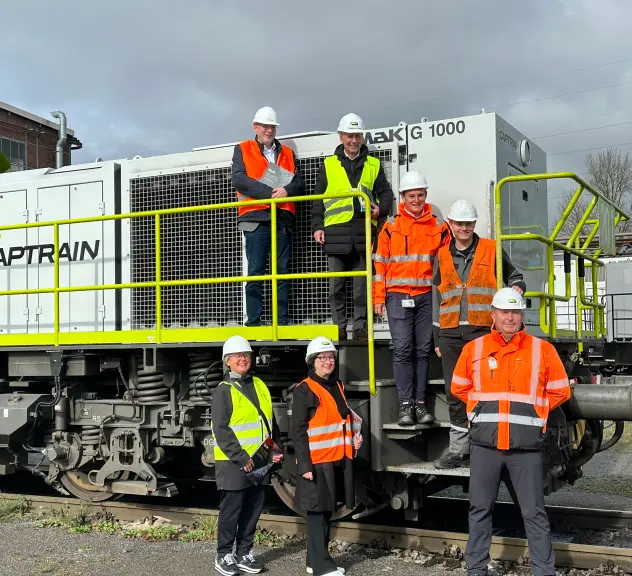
(251, 158)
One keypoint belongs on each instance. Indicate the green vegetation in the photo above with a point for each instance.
(11, 509)
(204, 528)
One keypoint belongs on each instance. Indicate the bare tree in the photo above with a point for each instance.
(609, 172)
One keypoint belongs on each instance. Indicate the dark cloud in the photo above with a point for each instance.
(155, 76)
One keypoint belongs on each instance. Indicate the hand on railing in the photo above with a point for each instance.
(279, 193)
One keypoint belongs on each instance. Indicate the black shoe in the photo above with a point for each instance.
(451, 460)
(227, 565)
(342, 333)
(248, 564)
(406, 414)
(360, 334)
(422, 415)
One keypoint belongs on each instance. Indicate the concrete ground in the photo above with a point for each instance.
(29, 550)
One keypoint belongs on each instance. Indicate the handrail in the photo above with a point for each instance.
(158, 283)
(572, 247)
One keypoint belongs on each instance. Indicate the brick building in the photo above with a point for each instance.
(29, 141)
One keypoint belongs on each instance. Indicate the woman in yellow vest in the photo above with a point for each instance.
(242, 419)
(326, 434)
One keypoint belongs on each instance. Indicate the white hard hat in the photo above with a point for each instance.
(318, 345)
(463, 211)
(266, 115)
(412, 180)
(235, 345)
(351, 124)
(508, 299)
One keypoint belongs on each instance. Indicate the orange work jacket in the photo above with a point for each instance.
(479, 288)
(256, 163)
(509, 388)
(406, 249)
(330, 437)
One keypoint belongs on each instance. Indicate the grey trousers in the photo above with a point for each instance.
(526, 473)
(451, 349)
(354, 261)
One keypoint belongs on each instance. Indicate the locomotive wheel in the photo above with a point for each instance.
(286, 491)
(77, 483)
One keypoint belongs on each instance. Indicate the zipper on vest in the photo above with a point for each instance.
(406, 245)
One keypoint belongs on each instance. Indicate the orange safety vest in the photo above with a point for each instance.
(509, 388)
(405, 254)
(330, 437)
(480, 286)
(256, 163)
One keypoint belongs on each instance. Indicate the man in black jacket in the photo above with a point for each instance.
(250, 161)
(339, 224)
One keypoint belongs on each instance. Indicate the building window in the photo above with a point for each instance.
(15, 151)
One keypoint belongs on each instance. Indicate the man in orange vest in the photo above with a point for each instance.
(510, 382)
(462, 288)
(402, 284)
(250, 161)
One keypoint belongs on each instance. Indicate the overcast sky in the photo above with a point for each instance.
(157, 76)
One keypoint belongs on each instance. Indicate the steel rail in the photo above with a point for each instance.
(578, 556)
(571, 516)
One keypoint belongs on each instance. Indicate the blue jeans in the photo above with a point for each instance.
(411, 333)
(258, 243)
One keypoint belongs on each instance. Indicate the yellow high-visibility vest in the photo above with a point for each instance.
(245, 421)
(340, 210)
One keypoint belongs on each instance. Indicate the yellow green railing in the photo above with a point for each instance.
(161, 335)
(571, 247)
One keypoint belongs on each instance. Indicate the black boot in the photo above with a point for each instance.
(452, 460)
(422, 415)
(406, 414)
(361, 335)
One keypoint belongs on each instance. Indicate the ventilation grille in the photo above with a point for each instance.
(209, 245)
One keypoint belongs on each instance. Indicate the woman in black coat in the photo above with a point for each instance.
(326, 435)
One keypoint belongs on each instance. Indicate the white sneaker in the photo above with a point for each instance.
(339, 570)
(334, 573)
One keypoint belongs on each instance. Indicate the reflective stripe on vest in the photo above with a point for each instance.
(245, 421)
(479, 289)
(330, 437)
(256, 163)
(514, 418)
(341, 210)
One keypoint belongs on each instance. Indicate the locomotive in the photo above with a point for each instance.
(120, 281)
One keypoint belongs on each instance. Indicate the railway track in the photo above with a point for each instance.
(577, 556)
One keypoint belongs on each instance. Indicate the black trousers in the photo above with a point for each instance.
(411, 333)
(354, 261)
(239, 512)
(526, 473)
(318, 557)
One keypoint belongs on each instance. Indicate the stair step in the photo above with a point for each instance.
(397, 432)
(396, 426)
(427, 468)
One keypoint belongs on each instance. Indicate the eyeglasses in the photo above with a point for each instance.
(325, 359)
(241, 355)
